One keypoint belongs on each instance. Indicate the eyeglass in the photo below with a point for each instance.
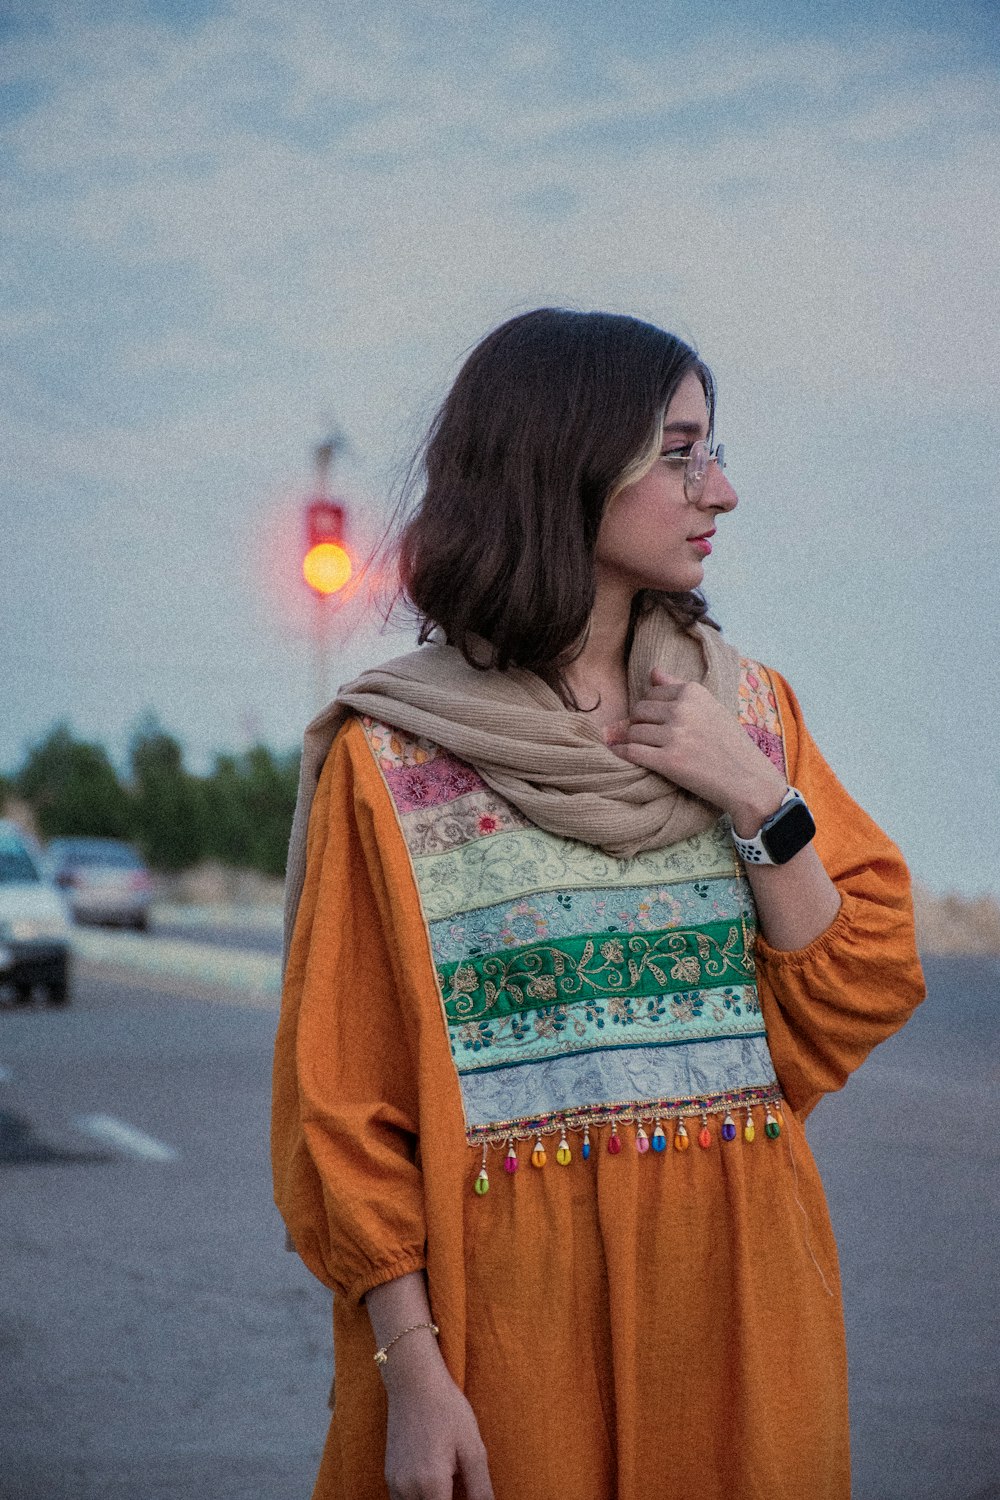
(696, 463)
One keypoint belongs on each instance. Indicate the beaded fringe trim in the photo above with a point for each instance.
(679, 1112)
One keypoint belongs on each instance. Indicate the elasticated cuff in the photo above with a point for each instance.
(829, 938)
(374, 1276)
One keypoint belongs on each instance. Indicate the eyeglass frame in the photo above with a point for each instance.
(696, 464)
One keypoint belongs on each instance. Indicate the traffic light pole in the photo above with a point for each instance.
(327, 566)
(323, 607)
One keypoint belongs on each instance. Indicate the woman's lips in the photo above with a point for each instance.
(702, 543)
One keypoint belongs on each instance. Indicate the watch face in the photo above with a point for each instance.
(791, 831)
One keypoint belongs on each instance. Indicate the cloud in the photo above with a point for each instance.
(225, 235)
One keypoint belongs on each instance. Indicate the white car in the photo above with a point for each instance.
(105, 880)
(35, 926)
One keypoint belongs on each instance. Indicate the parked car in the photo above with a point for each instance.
(35, 929)
(105, 880)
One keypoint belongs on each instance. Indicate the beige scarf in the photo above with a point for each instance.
(550, 762)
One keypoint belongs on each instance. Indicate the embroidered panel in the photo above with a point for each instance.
(582, 967)
(606, 910)
(572, 981)
(500, 1101)
(759, 712)
(593, 1026)
(394, 750)
(478, 815)
(519, 863)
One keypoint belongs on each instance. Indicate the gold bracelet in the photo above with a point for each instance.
(383, 1354)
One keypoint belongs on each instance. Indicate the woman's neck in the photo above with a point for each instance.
(598, 677)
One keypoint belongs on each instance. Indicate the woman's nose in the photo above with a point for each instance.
(718, 493)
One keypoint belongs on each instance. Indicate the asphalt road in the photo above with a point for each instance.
(156, 1341)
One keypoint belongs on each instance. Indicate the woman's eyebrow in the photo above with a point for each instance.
(683, 426)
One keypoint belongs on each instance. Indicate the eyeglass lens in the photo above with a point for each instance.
(696, 469)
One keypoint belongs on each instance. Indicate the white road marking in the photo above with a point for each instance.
(126, 1137)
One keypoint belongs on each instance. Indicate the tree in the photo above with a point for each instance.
(168, 802)
(73, 788)
(250, 801)
(270, 784)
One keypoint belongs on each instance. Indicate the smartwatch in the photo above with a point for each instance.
(782, 835)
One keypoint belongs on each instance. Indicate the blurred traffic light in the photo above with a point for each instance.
(327, 564)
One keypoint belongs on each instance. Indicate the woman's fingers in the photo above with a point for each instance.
(475, 1472)
(656, 732)
(650, 756)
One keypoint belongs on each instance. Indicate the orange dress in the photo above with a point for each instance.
(645, 1322)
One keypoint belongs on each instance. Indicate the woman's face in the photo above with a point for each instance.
(651, 535)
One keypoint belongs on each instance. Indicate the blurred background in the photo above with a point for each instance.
(230, 225)
(247, 249)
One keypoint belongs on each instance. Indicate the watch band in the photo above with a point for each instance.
(798, 830)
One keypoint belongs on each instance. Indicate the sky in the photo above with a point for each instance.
(231, 228)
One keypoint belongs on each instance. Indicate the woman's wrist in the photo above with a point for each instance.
(382, 1355)
(756, 803)
(415, 1366)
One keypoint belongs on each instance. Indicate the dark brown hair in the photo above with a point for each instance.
(551, 414)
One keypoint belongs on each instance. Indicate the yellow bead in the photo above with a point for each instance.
(748, 1131)
(538, 1157)
(564, 1155)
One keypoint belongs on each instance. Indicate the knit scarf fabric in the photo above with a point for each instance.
(549, 761)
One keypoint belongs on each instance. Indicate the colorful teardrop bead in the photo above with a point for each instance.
(771, 1127)
(748, 1130)
(728, 1128)
(614, 1141)
(681, 1142)
(538, 1157)
(510, 1162)
(564, 1155)
(659, 1138)
(778, 1115)
(641, 1140)
(585, 1148)
(704, 1137)
(482, 1182)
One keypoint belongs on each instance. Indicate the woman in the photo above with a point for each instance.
(584, 928)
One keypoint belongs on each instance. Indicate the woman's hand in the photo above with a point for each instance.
(432, 1431)
(681, 731)
(686, 735)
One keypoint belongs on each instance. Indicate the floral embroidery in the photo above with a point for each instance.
(758, 709)
(433, 828)
(525, 862)
(554, 1029)
(393, 749)
(497, 984)
(432, 783)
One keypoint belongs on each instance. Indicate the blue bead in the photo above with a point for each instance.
(659, 1143)
(729, 1132)
(585, 1150)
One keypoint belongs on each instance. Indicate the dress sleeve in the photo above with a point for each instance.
(345, 1105)
(828, 1004)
